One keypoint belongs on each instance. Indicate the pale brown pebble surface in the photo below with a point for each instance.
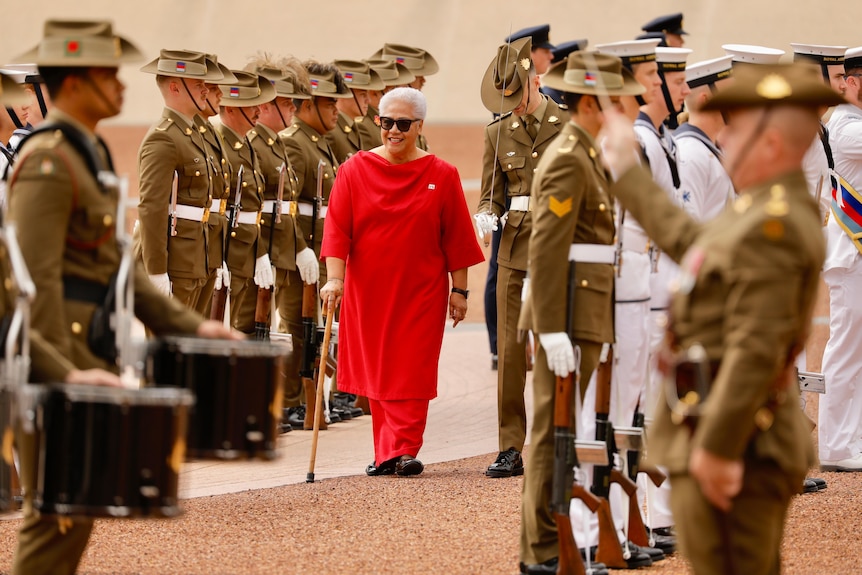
(451, 519)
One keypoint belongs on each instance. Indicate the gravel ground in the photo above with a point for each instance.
(451, 520)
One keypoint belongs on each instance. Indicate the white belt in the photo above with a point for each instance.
(519, 204)
(269, 205)
(218, 206)
(193, 213)
(248, 218)
(635, 242)
(592, 253)
(306, 208)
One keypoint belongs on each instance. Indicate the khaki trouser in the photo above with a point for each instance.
(47, 544)
(512, 364)
(538, 530)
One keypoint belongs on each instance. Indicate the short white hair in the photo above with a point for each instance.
(411, 96)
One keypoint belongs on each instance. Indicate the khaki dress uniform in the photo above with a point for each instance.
(371, 129)
(175, 144)
(222, 173)
(286, 239)
(246, 246)
(511, 171)
(72, 249)
(350, 136)
(750, 278)
(305, 148)
(571, 205)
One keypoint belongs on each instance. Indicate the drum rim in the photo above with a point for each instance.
(221, 347)
(80, 393)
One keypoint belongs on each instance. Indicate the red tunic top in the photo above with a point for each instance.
(401, 229)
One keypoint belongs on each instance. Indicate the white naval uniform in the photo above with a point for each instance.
(840, 411)
(815, 165)
(705, 188)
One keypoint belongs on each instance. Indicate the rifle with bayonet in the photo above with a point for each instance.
(310, 338)
(263, 306)
(219, 300)
(172, 214)
(564, 454)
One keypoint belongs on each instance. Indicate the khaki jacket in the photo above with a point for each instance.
(222, 172)
(287, 238)
(245, 244)
(571, 204)
(349, 136)
(66, 224)
(305, 148)
(507, 171)
(748, 283)
(172, 145)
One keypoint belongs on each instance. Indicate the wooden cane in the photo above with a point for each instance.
(318, 400)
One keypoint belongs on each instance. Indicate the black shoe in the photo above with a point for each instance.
(385, 468)
(666, 543)
(408, 466)
(345, 402)
(343, 415)
(507, 464)
(333, 417)
(669, 531)
(494, 362)
(654, 553)
(548, 567)
(809, 486)
(295, 416)
(635, 560)
(285, 427)
(821, 483)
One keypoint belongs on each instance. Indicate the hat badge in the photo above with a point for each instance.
(525, 63)
(774, 87)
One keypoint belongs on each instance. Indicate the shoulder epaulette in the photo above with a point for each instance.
(290, 130)
(498, 118)
(569, 145)
(164, 124)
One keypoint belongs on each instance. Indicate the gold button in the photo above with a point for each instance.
(223, 161)
(233, 234)
(197, 172)
(325, 176)
(77, 328)
(509, 166)
(584, 283)
(571, 137)
(262, 222)
(245, 184)
(602, 207)
(592, 153)
(535, 154)
(107, 220)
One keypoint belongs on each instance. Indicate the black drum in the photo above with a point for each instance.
(109, 452)
(238, 386)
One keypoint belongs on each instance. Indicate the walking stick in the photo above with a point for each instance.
(318, 399)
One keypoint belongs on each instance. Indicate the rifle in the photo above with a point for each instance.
(564, 455)
(172, 214)
(219, 301)
(609, 551)
(309, 323)
(262, 309)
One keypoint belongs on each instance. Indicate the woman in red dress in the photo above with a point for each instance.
(397, 228)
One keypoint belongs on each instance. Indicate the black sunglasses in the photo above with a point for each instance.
(403, 124)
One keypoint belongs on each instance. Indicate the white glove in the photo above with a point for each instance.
(222, 277)
(486, 223)
(306, 263)
(559, 351)
(263, 272)
(162, 283)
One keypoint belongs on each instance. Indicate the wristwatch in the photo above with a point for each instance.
(463, 292)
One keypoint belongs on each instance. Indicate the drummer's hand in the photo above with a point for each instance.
(332, 292)
(93, 377)
(217, 330)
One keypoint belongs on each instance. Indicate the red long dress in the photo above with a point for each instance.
(401, 228)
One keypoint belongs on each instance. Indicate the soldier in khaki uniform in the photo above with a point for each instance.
(393, 75)
(175, 254)
(348, 137)
(573, 220)
(514, 145)
(247, 257)
(745, 295)
(66, 219)
(418, 61)
(307, 145)
(295, 263)
(221, 173)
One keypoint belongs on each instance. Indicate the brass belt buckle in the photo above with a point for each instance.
(294, 208)
(222, 206)
(206, 217)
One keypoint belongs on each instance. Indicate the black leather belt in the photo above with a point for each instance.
(79, 289)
